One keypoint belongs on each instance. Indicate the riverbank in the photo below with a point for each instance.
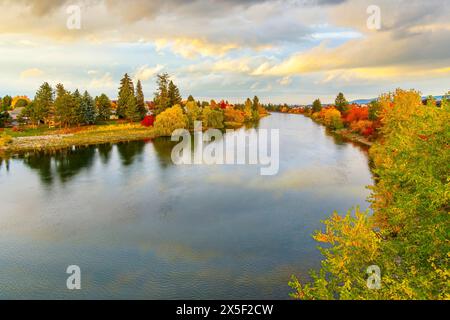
(344, 133)
(353, 137)
(44, 139)
(85, 136)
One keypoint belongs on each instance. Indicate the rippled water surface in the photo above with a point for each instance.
(140, 227)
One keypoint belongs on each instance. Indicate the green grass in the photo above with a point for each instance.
(54, 139)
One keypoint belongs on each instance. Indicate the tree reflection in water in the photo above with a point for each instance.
(68, 163)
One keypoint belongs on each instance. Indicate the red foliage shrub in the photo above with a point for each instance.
(369, 131)
(223, 105)
(356, 114)
(16, 129)
(148, 121)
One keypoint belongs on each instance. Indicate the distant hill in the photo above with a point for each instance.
(363, 101)
(367, 101)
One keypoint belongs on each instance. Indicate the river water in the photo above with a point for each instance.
(140, 227)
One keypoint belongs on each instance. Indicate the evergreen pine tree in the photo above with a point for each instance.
(125, 91)
(317, 106)
(103, 107)
(6, 102)
(341, 103)
(140, 100)
(77, 113)
(43, 107)
(255, 108)
(174, 94)
(132, 112)
(161, 99)
(64, 106)
(88, 108)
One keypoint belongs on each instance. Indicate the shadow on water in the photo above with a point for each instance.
(163, 149)
(68, 163)
(130, 151)
(340, 140)
(104, 152)
(65, 164)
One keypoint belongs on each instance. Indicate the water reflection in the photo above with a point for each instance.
(68, 163)
(104, 151)
(129, 152)
(159, 231)
(163, 149)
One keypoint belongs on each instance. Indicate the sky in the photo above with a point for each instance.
(291, 51)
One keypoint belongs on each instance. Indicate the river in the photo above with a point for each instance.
(140, 227)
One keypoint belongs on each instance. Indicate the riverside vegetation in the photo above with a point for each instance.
(407, 234)
(57, 119)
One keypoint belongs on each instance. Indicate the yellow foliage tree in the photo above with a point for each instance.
(170, 120)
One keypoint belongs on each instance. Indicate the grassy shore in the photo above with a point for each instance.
(29, 140)
(42, 138)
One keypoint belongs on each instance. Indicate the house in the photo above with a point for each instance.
(14, 114)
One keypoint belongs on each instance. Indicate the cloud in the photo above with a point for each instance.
(31, 73)
(285, 81)
(222, 48)
(104, 82)
(145, 72)
(193, 48)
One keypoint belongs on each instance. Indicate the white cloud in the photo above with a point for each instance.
(285, 81)
(31, 73)
(104, 82)
(145, 72)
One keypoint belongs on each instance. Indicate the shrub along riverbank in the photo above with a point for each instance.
(407, 235)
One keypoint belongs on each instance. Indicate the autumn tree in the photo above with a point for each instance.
(169, 120)
(431, 101)
(374, 110)
(255, 108)
(317, 106)
(248, 109)
(341, 103)
(212, 118)
(103, 107)
(193, 113)
(125, 91)
(445, 102)
(332, 118)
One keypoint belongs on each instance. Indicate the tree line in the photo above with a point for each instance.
(61, 107)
